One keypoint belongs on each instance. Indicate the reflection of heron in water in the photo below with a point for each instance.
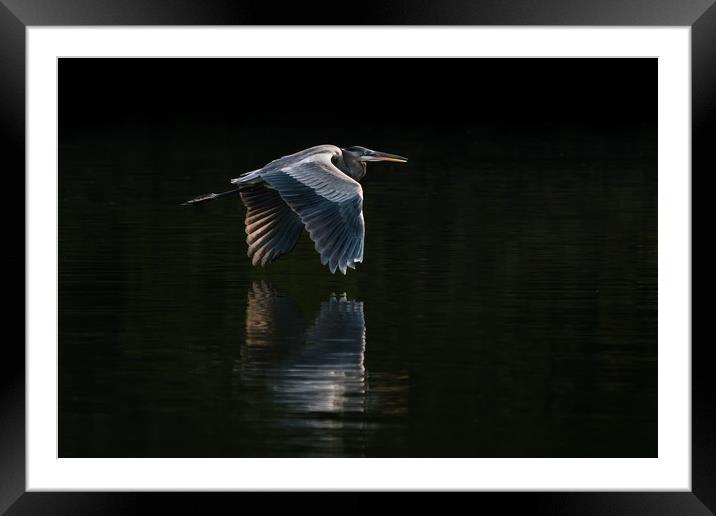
(303, 389)
(319, 369)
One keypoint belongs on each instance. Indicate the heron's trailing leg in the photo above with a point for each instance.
(208, 197)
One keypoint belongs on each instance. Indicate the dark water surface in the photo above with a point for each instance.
(506, 306)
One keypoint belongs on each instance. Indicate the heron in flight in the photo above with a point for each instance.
(316, 188)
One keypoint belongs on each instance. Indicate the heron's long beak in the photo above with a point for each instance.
(383, 156)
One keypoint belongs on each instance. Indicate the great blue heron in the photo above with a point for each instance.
(316, 188)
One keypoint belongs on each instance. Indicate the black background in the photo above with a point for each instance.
(599, 92)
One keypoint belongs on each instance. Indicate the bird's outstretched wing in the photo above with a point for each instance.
(328, 202)
(272, 227)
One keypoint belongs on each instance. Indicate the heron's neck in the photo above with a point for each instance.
(351, 166)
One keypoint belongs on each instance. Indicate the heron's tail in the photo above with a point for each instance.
(248, 179)
(243, 181)
(208, 197)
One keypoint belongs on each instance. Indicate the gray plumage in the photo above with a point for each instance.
(316, 188)
(304, 189)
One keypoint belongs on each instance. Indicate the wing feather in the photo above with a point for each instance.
(272, 227)
(328, 202)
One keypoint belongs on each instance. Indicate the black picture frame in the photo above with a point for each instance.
(17, 15)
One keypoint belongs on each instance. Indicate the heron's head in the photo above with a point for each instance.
(365, 155)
